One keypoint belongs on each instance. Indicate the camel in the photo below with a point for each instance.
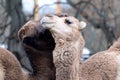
(103, 65)
(65, 30)
(38, 44)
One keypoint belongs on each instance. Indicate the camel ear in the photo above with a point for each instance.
(82, 25)
(21, 33)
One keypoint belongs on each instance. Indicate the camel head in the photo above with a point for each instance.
(38, 38)
(62, 26)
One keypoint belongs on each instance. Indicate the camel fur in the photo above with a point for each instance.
(65, 30)
(103, 65)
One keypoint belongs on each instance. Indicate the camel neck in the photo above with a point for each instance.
(42, 64)
(66, 58)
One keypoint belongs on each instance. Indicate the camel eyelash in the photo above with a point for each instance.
(67, 21)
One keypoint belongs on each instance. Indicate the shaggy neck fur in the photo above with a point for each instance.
(66, 57)
(42, 64)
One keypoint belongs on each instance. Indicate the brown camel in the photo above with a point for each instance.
(38, 45)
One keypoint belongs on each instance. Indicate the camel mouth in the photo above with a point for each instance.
(42, 40)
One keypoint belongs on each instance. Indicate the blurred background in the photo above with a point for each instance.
(102, 18)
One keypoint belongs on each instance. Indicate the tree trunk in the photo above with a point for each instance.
(14, 10)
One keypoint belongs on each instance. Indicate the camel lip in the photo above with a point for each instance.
(48, 25)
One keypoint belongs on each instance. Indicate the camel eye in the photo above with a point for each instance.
(68, 21)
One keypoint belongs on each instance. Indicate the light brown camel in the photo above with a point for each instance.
(38, 45)
(65, 30)
(103, 65)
